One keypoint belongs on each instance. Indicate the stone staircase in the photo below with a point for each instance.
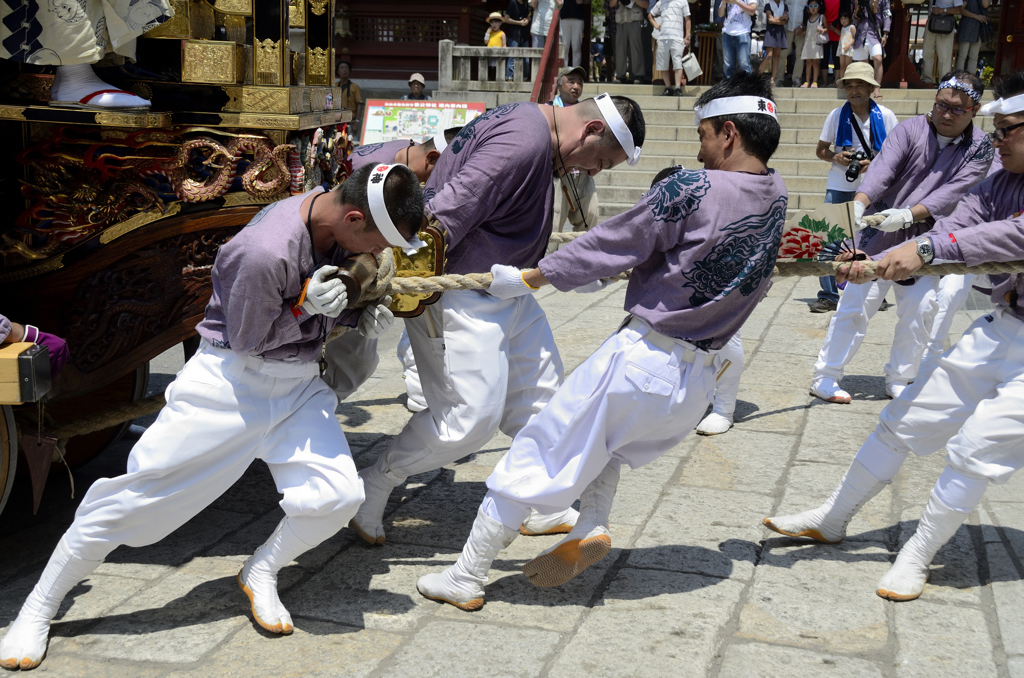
(672, 139)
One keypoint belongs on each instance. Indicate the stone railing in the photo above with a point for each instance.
(465, 74)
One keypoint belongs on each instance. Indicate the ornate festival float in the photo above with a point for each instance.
(113, 216)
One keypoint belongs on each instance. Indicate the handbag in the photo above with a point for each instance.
(691, 67)
(822, 38)
(942, 24)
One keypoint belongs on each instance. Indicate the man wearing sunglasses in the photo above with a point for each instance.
(926, 165)
(968, 401)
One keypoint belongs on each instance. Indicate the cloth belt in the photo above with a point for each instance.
(288, 369)
(667, 343)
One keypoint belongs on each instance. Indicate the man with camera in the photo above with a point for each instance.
(849, 140)
(925, 167)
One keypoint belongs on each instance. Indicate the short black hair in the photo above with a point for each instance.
(759, 133)
(665, 174)
(1010, 85)
(967, 78)
(633, 117)
(340, 62)
(402, 195)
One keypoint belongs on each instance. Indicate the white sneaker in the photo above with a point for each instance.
(552, 523)
(714, 424)
(828, 390)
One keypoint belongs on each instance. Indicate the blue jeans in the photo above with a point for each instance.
(508, 67)
(829, 291)
(736, 53)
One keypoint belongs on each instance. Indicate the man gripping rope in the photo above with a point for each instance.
(926, 165)
(487, 363)
(969, 400)
(251, 391)
(702, 246)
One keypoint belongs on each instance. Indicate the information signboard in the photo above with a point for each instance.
(387, 120)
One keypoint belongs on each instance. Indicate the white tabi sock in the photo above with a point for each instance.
(549, 523)
(378, 482)
(462, 584)
(74, 83)
(258, 577)
(24, 646)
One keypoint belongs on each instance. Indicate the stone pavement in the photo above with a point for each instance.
(694, 585)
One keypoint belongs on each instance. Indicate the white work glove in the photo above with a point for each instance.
(592, 287)
(327, 297)
(376, 320)
(858, 215)
(508, 282)
(896, 220)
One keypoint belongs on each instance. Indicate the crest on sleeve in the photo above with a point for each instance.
(366, 150)
(742, 260)
(678, 196)
(469, 131)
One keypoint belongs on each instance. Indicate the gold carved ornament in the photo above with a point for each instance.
(268, 62)
(317, 68)
(317, 7)
(427, 261)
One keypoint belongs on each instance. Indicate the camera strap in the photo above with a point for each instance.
(868, 148)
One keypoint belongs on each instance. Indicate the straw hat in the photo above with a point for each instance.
(860, 71)
(494, 15)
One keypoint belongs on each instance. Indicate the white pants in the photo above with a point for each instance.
(572, 38)
(485, 364)
(950, 298)
(351, 360)
(936, 44)
(970, 400)
(727, 387)
(413, 389)
(224, 410)
(629, 402)
(915, 308)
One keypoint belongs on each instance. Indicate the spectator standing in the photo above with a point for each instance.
(776, 17)
(814, 30)
(416, 86)
(847, 34)
(672, 20)
(517, 33)
(351, 95)
(597, 61)
(575, 192)
(830, 57)
(494, 36)
(973, 23)
(718, 70)
(939, 45)
(847, 129)
(571, 23)
(543, 12)
(874, 17)
(794, 40)
(628, 39)
(736, 34)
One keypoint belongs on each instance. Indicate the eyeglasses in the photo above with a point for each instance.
(943, 108)
(812, 4)
(1001, 133)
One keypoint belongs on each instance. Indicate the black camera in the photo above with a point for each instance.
(853, 171)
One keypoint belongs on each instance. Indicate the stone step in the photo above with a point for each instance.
(817, 106)
(642, 178)
(779, 93)
(690, 147)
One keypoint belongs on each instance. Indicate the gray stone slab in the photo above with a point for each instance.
(758, 660)
(192, 538)
(640, 490)
(739, 460)
(940, 640)
(440, 516)
(1009, 598)
(770, 409)
(709, 532)
(818, 597)
(779, 369)
(1015, 666)
(316, 649)
(651, 623)
(447, 648)
(178, 619)
(1010, 518)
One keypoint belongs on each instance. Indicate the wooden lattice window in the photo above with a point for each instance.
(388, 29)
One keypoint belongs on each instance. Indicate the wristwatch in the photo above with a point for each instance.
(924, 249)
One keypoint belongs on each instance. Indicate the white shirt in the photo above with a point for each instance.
(542, 17)
(836, 172)
(796, 14)
(947, 4)
(737, 22)
(671, 15)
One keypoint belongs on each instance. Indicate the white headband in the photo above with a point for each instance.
(619, 129)
(439, 143)
(1014, 104)
(379, 210)
(733, 105)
